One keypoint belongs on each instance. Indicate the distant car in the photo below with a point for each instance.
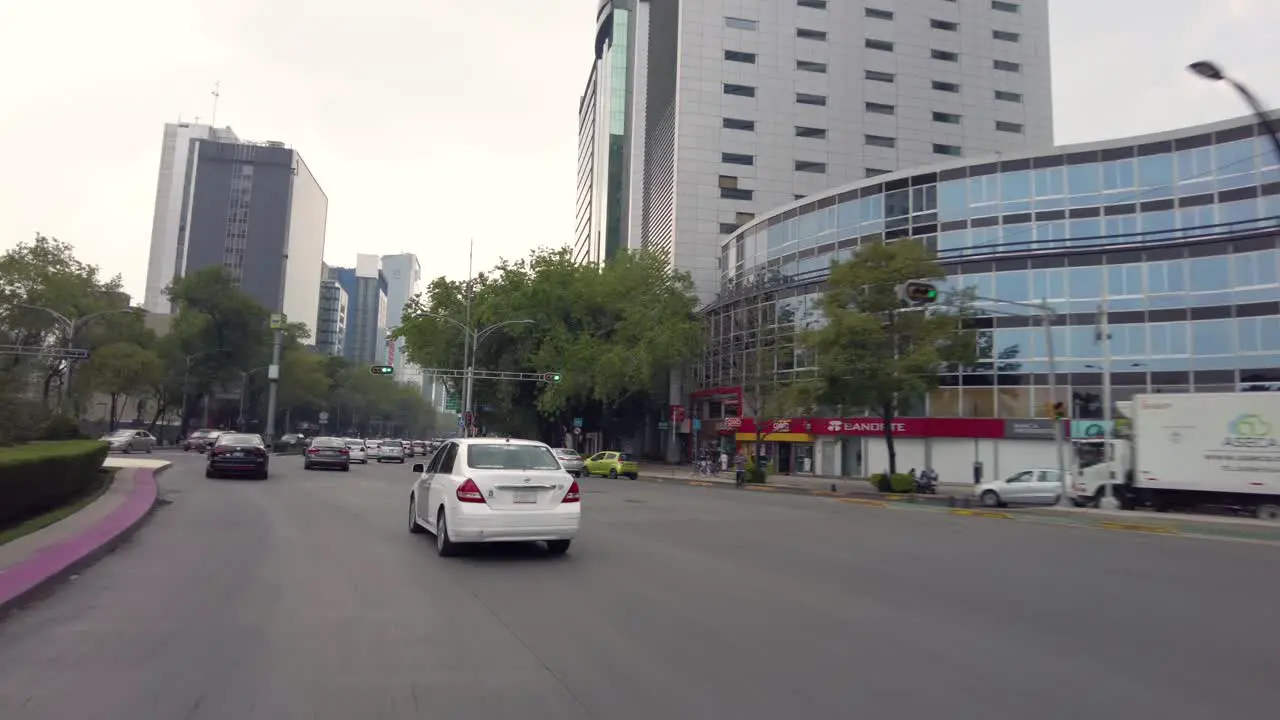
(327, 452)
(479, 490)
(372, 448)
(407, 446)
(570, 460)
(420, 447)
(127, 441)
(1036, 486)
(613, 464)
(200, 440)
(391, 451)
(356, 447)
(238, 454)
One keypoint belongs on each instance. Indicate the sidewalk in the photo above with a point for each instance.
(35, 561)
(805, 483)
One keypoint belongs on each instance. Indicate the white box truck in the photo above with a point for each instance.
(1189, 451)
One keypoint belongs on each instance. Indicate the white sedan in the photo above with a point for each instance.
(355, 447)
(479, 490)
(1037, 486)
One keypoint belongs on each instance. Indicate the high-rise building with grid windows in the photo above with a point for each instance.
(699, 115)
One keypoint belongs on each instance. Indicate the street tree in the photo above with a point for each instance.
(121, 370)
(612, 333)
(874, 351)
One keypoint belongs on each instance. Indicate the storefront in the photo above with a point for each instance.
(855, 447)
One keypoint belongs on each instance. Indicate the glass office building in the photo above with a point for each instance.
(1177, 231)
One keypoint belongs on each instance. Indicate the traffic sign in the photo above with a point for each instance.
(324, 417)
(577, 422)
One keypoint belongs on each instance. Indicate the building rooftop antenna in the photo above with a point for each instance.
(217, 93)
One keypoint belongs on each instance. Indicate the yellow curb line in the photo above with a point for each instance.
(983, 513)
(761, 488)
(700, 484)
(1135, 527)
(865, 503)
(823, 493)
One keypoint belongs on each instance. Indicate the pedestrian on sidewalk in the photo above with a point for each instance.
(740, 468)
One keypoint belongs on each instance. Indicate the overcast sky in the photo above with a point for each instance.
(429, 122)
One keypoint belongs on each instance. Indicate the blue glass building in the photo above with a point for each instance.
(1178, 230)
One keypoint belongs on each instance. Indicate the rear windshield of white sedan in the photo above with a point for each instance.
(507, 456)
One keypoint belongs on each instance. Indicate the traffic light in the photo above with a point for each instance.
(551, 377)
(1059, 411)
(918, 292)
(381, 370)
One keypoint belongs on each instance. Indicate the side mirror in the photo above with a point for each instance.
(418, 468)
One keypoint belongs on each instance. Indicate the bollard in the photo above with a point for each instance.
(951, 500)
(833, 488)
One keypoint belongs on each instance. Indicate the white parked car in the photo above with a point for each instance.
(1037, 486)
(356, 447)
(478, 490)
(130, 441)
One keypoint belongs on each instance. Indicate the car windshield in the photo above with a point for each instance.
(326, 442)
(507, 456)
(237, 439)
(119, 433)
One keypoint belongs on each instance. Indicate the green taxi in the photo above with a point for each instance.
(613, 464)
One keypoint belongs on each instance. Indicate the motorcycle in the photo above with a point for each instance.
(927, 482)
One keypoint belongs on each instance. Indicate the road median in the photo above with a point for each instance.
(35, 563)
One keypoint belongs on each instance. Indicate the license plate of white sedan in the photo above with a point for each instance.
(526, 497)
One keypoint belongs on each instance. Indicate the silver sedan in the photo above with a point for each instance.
(127, 441)
(570, 460)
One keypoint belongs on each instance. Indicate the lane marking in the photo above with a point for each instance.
(983, 513)
(1138, 527)
(865, 503)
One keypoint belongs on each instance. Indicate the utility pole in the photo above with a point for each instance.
(273, 374)
(468, 347)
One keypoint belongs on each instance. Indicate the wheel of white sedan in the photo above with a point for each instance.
(415, 527)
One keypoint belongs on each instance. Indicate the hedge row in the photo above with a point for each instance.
(42, 476)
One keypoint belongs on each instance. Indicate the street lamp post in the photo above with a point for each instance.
(1210, 70)
(471, 340)
(244, 381)
(186, 375)
(73, 326)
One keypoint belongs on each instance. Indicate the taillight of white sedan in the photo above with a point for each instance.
(479, 490)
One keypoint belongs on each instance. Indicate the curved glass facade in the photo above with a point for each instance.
(1177, 230)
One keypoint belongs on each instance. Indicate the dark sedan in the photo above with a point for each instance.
(238, 454)
(327, 452)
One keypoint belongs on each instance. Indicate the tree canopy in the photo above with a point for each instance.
(875, 352)
(612, 332)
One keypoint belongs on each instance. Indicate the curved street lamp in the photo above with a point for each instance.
(471, 339)
(72, 326)
(1210, 70)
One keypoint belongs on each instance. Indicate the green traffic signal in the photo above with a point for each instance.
(919, 293)
(381, 370)
(551, 377)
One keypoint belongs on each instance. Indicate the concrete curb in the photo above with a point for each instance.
(784, 488)
(29, 579)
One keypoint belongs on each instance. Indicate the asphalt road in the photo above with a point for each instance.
(305, 597)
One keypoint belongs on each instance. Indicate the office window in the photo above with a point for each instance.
(884, 45)
(880, 108)
(815, 4)
(742, 218)
(797, 197)
(1008, 127)
(878, 14)
(737, 158)
(949, 118)
(740, 23)
(939, 149)
(728, 181)
(811, 132)
(944, 25)
(739, 56)
(944, 55)
(1007, 96)
(810, 167)
(739, 90)
(878, 76)
(1006, 66)
(1006, 36)
(738, 124)
(811, 99)
(806, 34)
(872, 172)
(1004, 6)
(736, 194)
(880, 141)
(811, 66)
(946, 86)
(728, 228)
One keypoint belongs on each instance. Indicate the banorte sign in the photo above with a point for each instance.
(861, 427)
